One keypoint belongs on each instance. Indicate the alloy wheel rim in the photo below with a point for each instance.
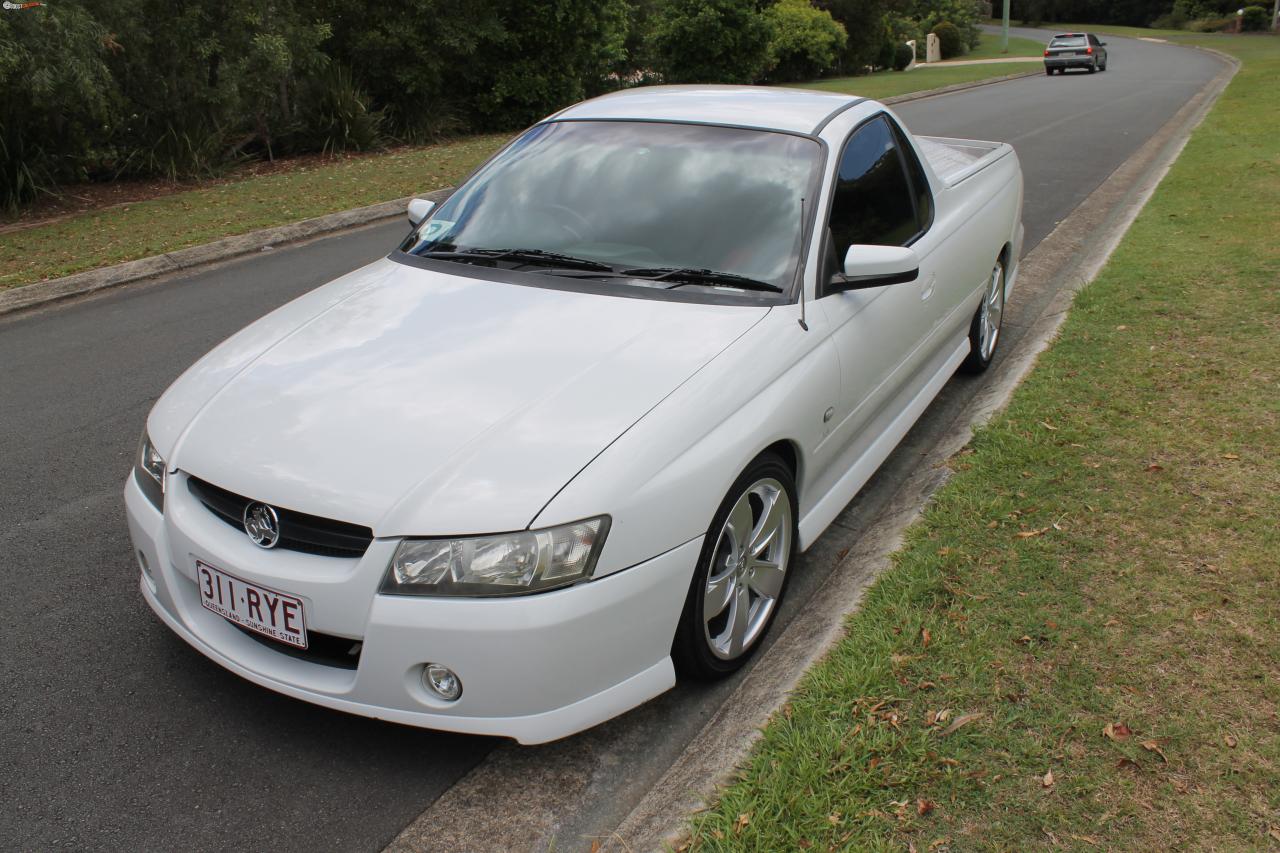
(992, 313)
(748, 567)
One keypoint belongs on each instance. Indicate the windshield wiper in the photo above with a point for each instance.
(525, 256)
(690, 275)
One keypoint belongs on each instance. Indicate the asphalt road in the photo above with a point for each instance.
(114, 734)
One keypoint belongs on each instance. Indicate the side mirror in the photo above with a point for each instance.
(419, 209)
(876, 266)
(1102, 44)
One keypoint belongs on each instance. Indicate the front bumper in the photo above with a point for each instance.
(535, 668)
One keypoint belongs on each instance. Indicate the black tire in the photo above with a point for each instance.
(1094, 67)
(691, 649)
(1048, 72)
(980, 358)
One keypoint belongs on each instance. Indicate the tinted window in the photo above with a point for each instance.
(638, 194)
(1075, 41)
(872, 202)
(919, 183)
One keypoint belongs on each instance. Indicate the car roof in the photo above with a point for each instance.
(764, 107)
(1070, 35)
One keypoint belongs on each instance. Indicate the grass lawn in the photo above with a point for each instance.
(192, 217)
(886, 84)
(989, 48)
(1077, 645)
(1111, 29)
(187, 218)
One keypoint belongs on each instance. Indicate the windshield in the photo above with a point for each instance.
(636, 195)
(1072, 41)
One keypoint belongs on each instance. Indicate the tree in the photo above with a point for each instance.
(709, 41)
(804, 42)
(55, 93)
(863, 21)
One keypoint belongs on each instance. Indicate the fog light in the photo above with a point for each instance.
(147, 577)
(441, 681)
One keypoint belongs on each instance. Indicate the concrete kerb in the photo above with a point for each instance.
(183, 260)
(1065, 262)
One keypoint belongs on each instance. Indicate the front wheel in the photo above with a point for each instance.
(741, 573)
(984, 330)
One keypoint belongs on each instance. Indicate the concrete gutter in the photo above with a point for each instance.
(184, 260)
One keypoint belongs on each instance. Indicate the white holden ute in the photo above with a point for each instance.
(568, 438)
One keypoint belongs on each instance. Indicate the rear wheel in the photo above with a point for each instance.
(1048, 72)
(1094, 67)
(741, 573)
(984, 331)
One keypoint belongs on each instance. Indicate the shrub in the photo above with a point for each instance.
(902, 58)
(709, 41)
(1212, 25)
(949, 41)
(804, 42)
(336, 116)
(887, 51)
(1255, 19)
(963, 14)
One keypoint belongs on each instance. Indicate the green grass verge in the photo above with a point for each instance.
(989, 48)
(1111, 29)
(189, 218)
(886, 84)
(1076, 647)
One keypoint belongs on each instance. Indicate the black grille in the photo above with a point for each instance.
(324, 649)
(309, 534)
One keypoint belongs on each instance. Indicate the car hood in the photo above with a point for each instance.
(422, 403)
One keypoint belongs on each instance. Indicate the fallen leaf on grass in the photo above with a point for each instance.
(595, 844)
(1154, 746)
(833, 818)
(741, 822)
(1230, 740)
(923, 807)
(1128, 764)
(1274, 833)
(961, 721)
(1116, 731)
(1047, 780)
(925, 637)
(1027, 534)
(1230, 456)
(1048, 426)
(1155, 467)
(993, 524)
(1087, 839)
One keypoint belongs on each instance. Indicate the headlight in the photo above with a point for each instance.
(506, 564)
(149, 470)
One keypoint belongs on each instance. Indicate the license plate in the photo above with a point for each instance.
(274, 614)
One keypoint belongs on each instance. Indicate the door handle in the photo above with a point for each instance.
(928, 288)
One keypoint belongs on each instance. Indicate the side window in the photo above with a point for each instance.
(872, 201)
(919, 182)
